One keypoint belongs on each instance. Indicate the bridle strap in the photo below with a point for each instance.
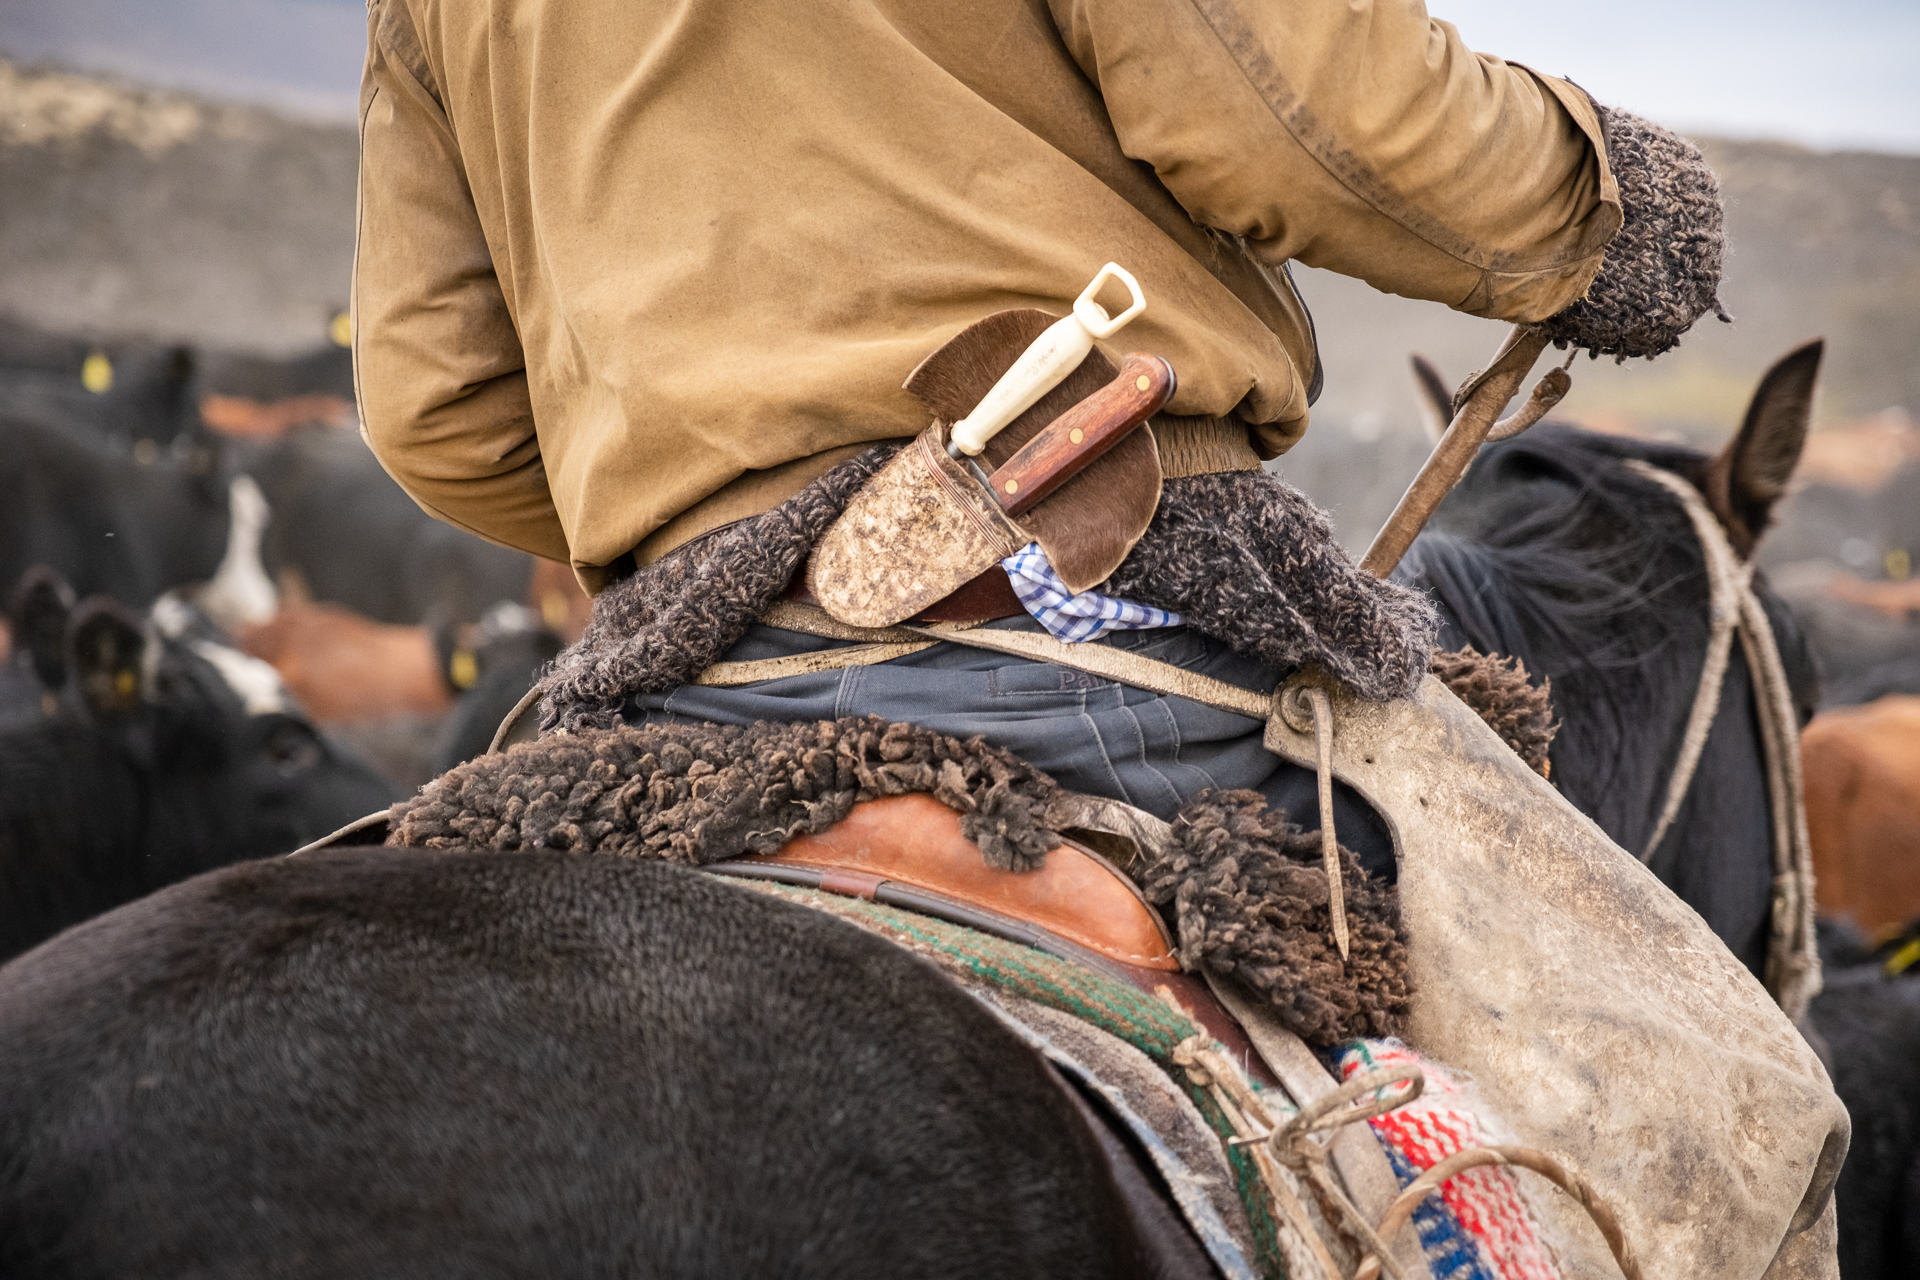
(1793, 962)
(1727, 581)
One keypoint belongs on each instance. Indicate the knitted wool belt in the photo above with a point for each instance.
(1241, 556)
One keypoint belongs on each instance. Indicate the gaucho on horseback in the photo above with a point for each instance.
(898, 376)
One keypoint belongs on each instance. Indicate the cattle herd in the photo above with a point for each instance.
(227, 633)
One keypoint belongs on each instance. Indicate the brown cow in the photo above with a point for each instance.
(556, 596)
(1862, 768)
(346, 668)
(1897, 600)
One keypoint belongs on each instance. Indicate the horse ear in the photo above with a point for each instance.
(1436, 402)
(106, 651)
(37, 615)
(1750, 475)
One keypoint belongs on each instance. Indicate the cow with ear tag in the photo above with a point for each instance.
(161, 756)
(36, 660)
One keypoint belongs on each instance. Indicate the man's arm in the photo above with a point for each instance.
(1362, 138)
(440, 374)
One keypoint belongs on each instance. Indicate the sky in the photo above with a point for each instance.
(1843, 74)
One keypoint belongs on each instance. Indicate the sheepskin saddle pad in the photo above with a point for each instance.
(1243, 885)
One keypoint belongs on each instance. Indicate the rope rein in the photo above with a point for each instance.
(1793, 960)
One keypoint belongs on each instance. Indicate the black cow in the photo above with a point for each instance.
(325, 370)
(149, 407)
(1871, 1023)
(154, 760)
(356, 539)
(108, 522)
(501, 656)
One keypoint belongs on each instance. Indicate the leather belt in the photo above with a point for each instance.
(988, 596)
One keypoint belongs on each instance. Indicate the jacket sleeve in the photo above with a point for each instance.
(1362, 137)
(438, 367)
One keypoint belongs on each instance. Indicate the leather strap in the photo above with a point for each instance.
(1101, 660)
(1361, 1161)
(801, 664)
(1118, 665)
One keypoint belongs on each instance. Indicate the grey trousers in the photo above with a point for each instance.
(1092, 735)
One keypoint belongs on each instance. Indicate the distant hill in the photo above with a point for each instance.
(128, 212)
(1822, 244)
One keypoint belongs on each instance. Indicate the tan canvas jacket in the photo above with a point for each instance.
(629, 270)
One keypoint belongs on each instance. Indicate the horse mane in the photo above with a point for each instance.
(1553, 552)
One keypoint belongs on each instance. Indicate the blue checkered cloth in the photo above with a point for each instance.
(1072, 618)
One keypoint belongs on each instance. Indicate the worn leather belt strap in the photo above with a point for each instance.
(877, 644)
(1117, 665)
(801, 664)
(1095, 659)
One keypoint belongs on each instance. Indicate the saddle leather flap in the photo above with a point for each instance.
(915, 840)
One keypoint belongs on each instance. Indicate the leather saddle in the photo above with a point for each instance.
(907, 852)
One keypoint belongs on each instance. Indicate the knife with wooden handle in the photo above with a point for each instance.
(1083, 434)
(929, 522)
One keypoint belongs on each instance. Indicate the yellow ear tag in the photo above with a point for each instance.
(463, 669)
(341, 330)
(124, 683)
(96, 373)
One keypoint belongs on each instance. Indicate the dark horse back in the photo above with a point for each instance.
(386, 1063)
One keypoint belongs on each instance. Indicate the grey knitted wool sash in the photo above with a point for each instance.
(1246, 558)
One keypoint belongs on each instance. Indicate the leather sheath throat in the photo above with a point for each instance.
(987, 596)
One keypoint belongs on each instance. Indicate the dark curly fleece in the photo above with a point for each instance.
(703, 793)
(1250, 561)
(1247, 889)
(1662, 271)
(661, 626)
(1500, 692)
(1249, 896)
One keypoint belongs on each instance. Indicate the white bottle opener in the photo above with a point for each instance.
(1041, 367)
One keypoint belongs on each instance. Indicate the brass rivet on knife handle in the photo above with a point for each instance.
(1480, 401)
(1069, 443)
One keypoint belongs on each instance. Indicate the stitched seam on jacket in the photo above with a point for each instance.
(395, 31)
